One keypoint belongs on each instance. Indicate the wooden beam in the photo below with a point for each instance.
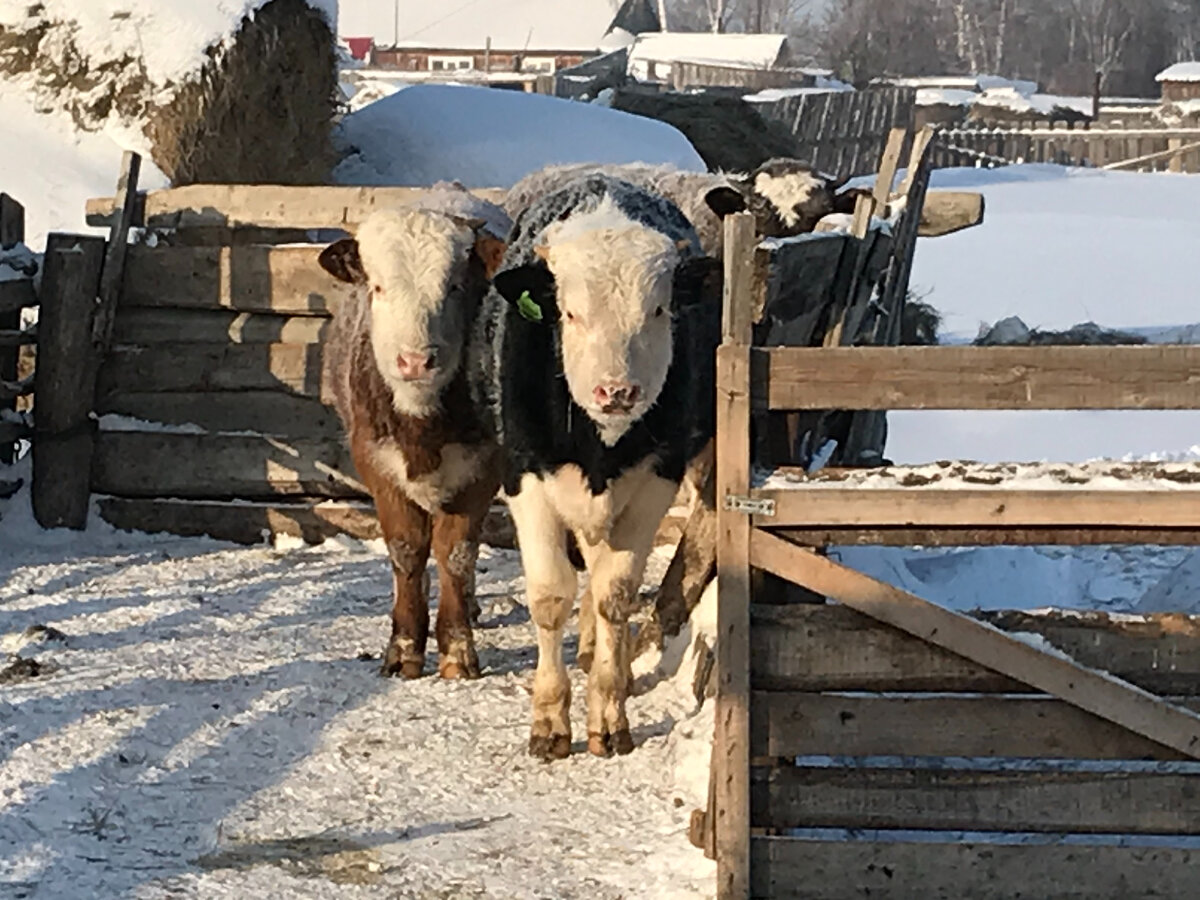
(274, 413)
(263, 205)
(250, 278)
(114, 255)
(16, 295)
(12, 222)
(732, 730)
(188, 367)
(789, 724)
(247, 523)
(10, 390)
(967, 536)
(1093, 691)
(947, 212)
(16, 337)
(1172, 154)
(144, 327)
(828, 647)
(939, 798)
(998, 507)
(65, 380)
(892, 378)
(793, 869)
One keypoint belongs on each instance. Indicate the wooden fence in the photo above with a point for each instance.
(864, 733)
(843, 132)
(1143, 149)
(16, 296)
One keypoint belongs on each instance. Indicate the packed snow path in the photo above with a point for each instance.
(213, 724)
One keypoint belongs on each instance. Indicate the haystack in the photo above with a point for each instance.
(218, 91)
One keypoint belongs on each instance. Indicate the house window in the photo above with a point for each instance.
(451, 63)
(541, 65)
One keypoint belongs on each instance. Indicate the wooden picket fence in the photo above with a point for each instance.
(1141, 149)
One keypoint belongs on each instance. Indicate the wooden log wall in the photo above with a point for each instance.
(16, 295)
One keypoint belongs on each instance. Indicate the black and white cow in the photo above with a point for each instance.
(595, 353)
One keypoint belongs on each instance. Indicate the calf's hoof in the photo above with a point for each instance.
(550, 746)
(399, 662)
(459, 660)
(605, 744)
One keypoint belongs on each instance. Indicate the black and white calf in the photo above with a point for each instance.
(595, 353)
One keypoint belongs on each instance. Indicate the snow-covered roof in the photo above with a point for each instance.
(977, 83)
(1184, 71)
(511, 24)
(169, 36)
(755, 50)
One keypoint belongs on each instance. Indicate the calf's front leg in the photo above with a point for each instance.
(550, 590)
(406, 532)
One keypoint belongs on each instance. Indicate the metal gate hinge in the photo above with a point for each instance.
(749, 505)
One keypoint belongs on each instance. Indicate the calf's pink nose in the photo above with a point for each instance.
(413, 366)
(616, 396)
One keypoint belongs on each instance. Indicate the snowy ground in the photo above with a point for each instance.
(211, 724)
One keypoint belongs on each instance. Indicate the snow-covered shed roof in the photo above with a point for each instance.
(1184, 71)
(168, 36)
(755, 50)
(511, 24)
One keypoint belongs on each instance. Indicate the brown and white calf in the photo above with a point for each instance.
(395, 359)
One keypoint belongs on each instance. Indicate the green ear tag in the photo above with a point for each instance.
(528, 309)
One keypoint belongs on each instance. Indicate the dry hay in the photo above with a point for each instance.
(261, 110)
(729, 134)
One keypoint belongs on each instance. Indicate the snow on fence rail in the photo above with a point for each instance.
(862, 737)
(1144, 149)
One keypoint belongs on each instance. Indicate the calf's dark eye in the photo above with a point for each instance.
(658, 312)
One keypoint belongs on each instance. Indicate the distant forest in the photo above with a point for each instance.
(1060, 44)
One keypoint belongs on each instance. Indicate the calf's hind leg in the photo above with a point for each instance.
(550, 588)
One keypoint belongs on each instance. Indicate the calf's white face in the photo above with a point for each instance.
(413, 265)
(614, 280)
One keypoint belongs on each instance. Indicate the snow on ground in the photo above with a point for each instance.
(491, 138)
(52, 168)
(209, 722)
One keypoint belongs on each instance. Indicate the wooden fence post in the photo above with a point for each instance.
(732, 733)
(65, 380)
(12, 232)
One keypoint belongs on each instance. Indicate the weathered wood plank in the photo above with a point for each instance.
(947, 212)
(984, 508)
(10, 390)
(16, 337)
(65, 380)
(252, 278)
(808, 647)
(221, 467)
(162, 326)
(12, 222)
(732, 730)
(787, 724)
(898, 536)
(1074, 802)
(294, 368)
(248, 523)
(790, 869)
(263, 205)
(114, 255)
(265, 412)
(16, 295)
(1101, 694)
(891, 378)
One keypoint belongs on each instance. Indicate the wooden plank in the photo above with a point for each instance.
(247, 523)
(948, 212)
(790, 869)
(158, 326)
(1172, 153)
(294, 368)
(65, 380)
(12, 222)
(263, 205)
(253, 278)
(16, 295)
(967, 536)
(114, 255)
(788, 724)
(732, 730)
(1129, 377)
(221, 467)
(10, 390)
(806, 647)
(16, 337)
(1077, 802)
(1101, 694)
(997, 507)
(266, 412)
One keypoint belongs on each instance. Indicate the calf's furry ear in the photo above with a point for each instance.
(532, 279)
(490, 251)
(341, 260)
(724, 201)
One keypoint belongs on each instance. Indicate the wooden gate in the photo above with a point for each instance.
(859, 738)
